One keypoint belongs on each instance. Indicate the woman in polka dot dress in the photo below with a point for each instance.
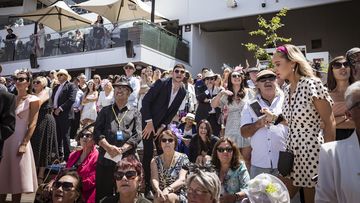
(307, 104)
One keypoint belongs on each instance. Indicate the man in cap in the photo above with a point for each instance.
(159, 106)
(204, 97)
(134, 83)
(252, 72)
(10, 45)
(353, 56)
(63, 97)
(267, 136)
(117, 132)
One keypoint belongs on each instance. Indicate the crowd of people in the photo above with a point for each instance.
(165, 137)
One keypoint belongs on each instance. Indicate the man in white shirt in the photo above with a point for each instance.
(134, 83)
(267, 136)
(339, 162)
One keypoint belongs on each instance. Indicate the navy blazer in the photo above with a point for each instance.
(7, 116)
(66, 99)
(204, 108)
(156, 101)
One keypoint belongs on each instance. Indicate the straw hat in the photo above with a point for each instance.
(209, 74)
(63, 71)
(123, 82)
(188, 116)
(263, 73)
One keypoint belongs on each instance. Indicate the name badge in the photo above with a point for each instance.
(207, 92)
(119, 135)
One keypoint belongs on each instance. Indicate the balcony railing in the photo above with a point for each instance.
(97, 38)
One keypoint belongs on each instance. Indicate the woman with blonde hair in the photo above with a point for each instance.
(307, 104)
(43, 141)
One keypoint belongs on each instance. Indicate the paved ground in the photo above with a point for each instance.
(26, 198)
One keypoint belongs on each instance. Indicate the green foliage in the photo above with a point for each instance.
(267, 29)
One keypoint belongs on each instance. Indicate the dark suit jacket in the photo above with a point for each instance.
(66, 99)
(156, 100)
(203, 109)
(7, 116)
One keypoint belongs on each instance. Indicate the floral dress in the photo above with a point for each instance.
(305, 134)
(170, 175)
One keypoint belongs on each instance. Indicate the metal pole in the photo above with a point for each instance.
(153, 11)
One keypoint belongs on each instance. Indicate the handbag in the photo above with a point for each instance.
(286, 158)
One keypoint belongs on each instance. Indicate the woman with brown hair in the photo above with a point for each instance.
(202, 144)
(231, 170)
(168, 172)
(339, 79)
(89, 112)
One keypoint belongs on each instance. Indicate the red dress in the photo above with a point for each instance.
(86, 171)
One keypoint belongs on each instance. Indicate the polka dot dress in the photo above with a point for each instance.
(305, 135)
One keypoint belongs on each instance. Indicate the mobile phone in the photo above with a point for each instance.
(255, 106)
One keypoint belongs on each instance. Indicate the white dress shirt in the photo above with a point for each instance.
(269, 140)
(57, 94)
(339, 172)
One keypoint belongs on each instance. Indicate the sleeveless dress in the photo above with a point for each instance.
(305, 135)
(89, 110)
(43, 141)
(232, 127)
(170, 175)
(18, 173)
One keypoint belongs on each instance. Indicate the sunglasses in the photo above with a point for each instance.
(20, 79)
(118, 175)
(86, 135)
(338, 65)
(164, 140)
(223, 150)
(210, 78)
(36, 82)
(60, 74)
(236, 76)
(179, 71)
(269, 78)
(127, 68)
(66, 186)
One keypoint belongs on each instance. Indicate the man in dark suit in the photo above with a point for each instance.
(7, 117)
(159, 106)
(63, 98)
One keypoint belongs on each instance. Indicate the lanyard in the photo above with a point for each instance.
(117, 118)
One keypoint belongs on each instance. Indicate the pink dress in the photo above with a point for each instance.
(18, 173)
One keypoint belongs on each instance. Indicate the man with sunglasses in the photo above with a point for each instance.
(134, 83)
(204, 97)
(267, 136)
(353, 56)
(339, 161)
(159, 106)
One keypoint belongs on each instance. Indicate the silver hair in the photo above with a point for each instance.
(350, 92)
(208, 180)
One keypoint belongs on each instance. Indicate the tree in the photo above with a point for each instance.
(267, 29)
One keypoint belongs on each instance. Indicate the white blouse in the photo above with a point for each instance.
(105, 100)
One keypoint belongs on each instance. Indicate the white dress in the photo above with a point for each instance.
(105, 100)
(89, 109)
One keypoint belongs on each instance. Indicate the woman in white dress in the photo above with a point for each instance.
(89, 112)
(40, 40)
(106, 97)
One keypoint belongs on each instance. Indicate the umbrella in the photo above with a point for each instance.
(58, 17)
(118, 10)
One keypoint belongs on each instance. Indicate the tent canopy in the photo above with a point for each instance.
(58, 17)
(119, 10)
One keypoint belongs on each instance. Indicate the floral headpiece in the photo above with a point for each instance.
(282, 49)
(175, 130)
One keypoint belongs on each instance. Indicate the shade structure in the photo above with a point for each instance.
(58, 17)
(119, 10)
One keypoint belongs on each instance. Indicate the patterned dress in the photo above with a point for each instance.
(170, 175)
(305, 134)
(43, 141)
(235, 180)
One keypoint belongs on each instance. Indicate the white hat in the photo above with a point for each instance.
(266, 188)
(209, 74)
(190, 116)
(63, 71)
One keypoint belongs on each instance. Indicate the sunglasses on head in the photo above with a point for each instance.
(20, 79)
(36, 82)
(236, 75)
(164, 140)
(223, 150)
(177, 71)
(267, 78)
(118, 175)
(66, 186)
(338, 65)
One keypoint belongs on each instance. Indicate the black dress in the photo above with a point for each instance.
(43, 141)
